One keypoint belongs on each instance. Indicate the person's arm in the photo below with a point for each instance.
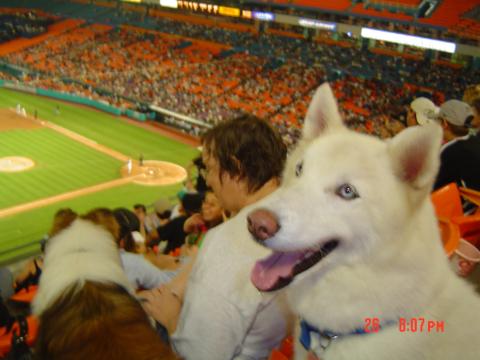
(164, 304)
(193, 223)
(146, 275)
(179, 284)
(162, 261)
(207, 324)
(143, 232)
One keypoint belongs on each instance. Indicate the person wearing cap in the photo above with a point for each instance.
(472, 97)
(475, 104)
(422, 111)
(460, 155)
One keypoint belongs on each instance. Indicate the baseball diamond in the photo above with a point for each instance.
(76, 159)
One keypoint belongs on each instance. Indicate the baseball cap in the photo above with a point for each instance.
(457, 113)
(425, 110)
(162, 205)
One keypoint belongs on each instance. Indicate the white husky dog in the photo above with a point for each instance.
(353, 233)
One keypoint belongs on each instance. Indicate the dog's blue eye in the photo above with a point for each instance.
(299, 169)
(347, 192)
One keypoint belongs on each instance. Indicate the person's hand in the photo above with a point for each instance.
(29, 270)
(163, 305)
(189, 250)
(193, 223)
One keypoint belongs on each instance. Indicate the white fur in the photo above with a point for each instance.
(84, 251)
(390, 262)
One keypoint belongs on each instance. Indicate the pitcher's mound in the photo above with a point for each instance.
(15, 164)
(155, 173)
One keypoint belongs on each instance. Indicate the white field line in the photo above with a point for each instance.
(65, 196)
(72, 194)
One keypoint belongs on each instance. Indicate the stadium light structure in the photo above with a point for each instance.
(169, 3)
(312, 23)
(263, 15)
(411, 40)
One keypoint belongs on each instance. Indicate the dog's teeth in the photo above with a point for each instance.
(309, 253)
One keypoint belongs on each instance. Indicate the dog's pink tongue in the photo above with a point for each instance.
(269, 271)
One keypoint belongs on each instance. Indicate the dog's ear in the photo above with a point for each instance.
(416, 155)
(322, 114)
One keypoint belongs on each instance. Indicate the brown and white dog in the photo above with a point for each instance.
(85, 304)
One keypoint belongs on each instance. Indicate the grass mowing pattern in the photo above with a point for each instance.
(61, 165)
(106, 130)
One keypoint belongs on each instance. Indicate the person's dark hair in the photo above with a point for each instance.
(247, 147)
(458, 130)
(128, 222)
(192, 203)
(164, 215)
(198, 162)
(140, 206)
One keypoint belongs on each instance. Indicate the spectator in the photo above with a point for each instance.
(199, 182)
(460, 156)
(422, 111)
(121, 223)
(198, 224)
(476, 110)
(173, 231)
(244, 159)
(161, 261)
(147, 227)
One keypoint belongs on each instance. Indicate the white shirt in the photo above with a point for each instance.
(224, 316)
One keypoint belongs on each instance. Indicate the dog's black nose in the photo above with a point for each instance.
(262, 224)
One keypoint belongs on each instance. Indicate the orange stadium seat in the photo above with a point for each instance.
(25, 295)
(447, 201)
(6, 337)
(448, 13)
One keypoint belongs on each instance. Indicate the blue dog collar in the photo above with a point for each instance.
(324, 337)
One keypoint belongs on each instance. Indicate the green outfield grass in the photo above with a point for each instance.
(61, 165)
(65, 165)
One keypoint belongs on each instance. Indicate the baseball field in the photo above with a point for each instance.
(76, 157)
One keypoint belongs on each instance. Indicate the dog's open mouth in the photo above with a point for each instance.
(278, 270)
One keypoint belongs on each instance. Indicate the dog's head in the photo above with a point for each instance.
(85, 303)
(343, 193)
(80, 253)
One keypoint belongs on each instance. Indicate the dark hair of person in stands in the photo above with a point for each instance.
(140, 206)
(128, 222)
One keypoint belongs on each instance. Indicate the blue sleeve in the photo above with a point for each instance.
(142, 273)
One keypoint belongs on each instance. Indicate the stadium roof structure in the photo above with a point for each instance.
(438, 13)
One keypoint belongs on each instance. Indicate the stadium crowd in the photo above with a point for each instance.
(262, 74)
(22, 24)
(240, 83)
